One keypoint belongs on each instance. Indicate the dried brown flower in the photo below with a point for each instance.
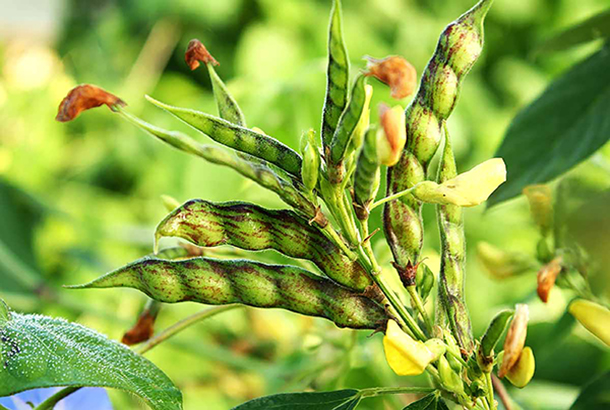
(547, 276)
(84, 97)
(396, 72)
(141, 331)
(196, 52)
(515, 339)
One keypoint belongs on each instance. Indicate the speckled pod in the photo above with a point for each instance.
(254, 228)
(290, 191)
(457, 50)
(221, 282)
(238, 137)
(337, 76)
(453, 259)
(366, 176)
(348, 121)
(228, 108)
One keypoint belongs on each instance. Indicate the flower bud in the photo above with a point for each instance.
(594, 317)
(515, 339)
(547, 276)
(523, 370)
(364, 121)
(451, 380)
(501, 264)
(467, 189)
(396, 72)
(408, 357)
(540, 199)
(392, 135)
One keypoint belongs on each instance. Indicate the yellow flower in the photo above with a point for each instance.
(468, 189)
(408, 357)
(523, 370)
(594, 317)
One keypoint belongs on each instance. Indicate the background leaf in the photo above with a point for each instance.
(596, 396)
(335, 400)
(593, 28)
(564, 126)
(429, 402)
(38, 351)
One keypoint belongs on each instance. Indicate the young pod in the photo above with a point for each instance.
(337, 76)
(349, 120)
(458, 48)
(251, 227)
(311, 160)
(540, 198)
(287, 188)
(490, 339)
(424, 280)
(238, 137)
(367, 174)
(221, 282)
(453, 254)
(450, 379)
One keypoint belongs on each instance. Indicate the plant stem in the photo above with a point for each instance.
(502, 393)
(490, 391)
(391, 197)
(50, 403)
(181, 325)
(378, 391)
(419, 305)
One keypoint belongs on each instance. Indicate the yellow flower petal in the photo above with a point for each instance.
(523, 370)
(405, 356)
(468, 189)
(594, 317)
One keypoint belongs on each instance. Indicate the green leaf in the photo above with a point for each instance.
(21, 214)
(564, 126)
(595, 396)
(430, 402)
(594, 28)
(335, 400)
(38, 351)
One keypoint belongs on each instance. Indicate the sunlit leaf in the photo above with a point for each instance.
(39, 351)
(564, 126)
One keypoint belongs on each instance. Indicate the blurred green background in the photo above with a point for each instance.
(80, 199)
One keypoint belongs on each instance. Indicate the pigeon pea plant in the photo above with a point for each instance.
(330, 188)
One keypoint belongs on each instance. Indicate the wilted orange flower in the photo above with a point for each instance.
(396, 72)
(547, 276)
(84, 97)
(141, 331)
(392, 137)
(196, 52)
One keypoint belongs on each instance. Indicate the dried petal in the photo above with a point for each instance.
(515, 339)
(141, 331)
(196, 52)
(547, 276)
(396, 72)
(392, 136)
(83, 97)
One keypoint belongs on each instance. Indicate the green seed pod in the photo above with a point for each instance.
(221, 282)
(237, 137)
(254, 228)
(311, 160)
(453, 256)
(289, 190)
(494, 332)
(348, 121)
(367, 174)
(424, 280)
(451, 380)
(337, 76)
(458, 48)
(228, 108)
(452, 347)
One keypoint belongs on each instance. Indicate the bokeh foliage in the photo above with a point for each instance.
(82, 199)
